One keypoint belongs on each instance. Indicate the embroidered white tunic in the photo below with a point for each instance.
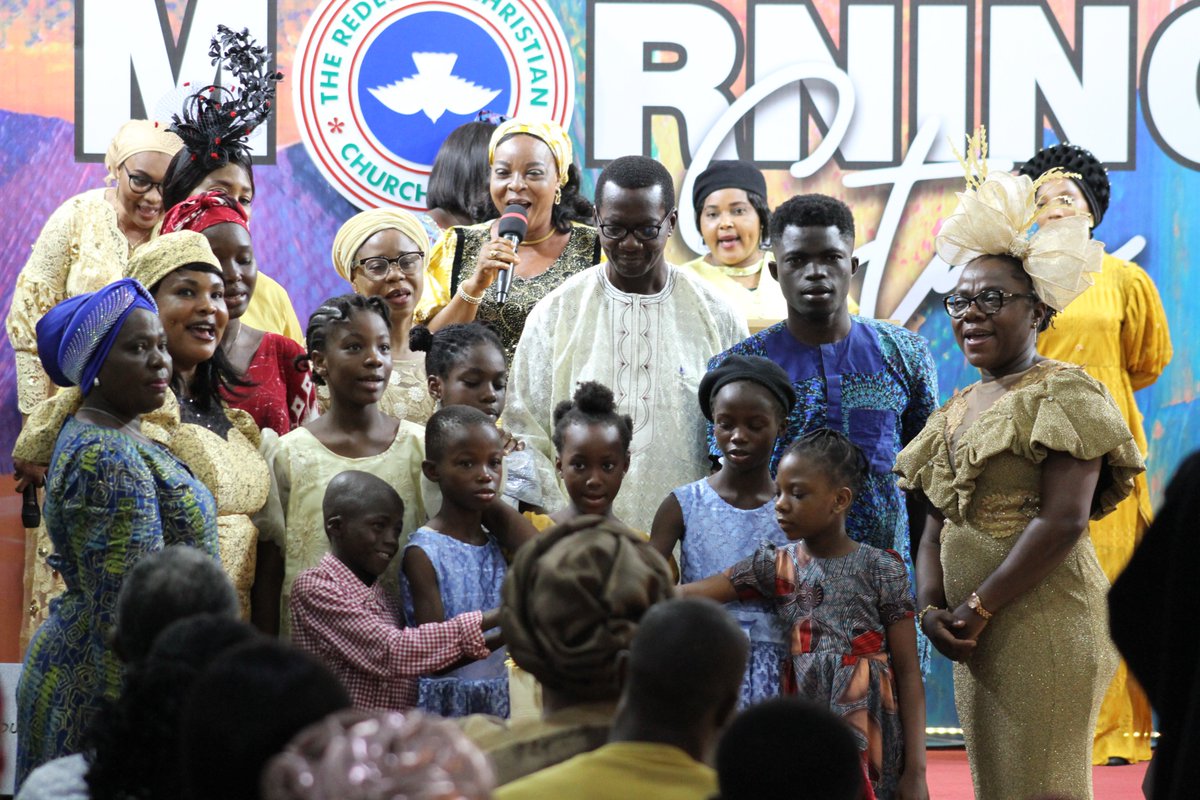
(651, 350)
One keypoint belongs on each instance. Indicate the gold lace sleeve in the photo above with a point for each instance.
(35, 443)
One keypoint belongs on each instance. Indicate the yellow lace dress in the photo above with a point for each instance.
(1029, 695)
(1117, 331)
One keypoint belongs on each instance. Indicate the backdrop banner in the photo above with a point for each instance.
(859, 100)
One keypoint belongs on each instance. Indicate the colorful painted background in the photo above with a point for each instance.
(297, 214)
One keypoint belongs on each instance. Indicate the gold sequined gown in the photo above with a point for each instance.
(1029, 695)
(230, 466)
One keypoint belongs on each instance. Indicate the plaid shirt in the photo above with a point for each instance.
(357, 631)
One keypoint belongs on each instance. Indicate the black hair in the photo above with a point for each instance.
(759, 204)
(834, 454)
(637, 172)
(573, 206)
(337, 310)
(449, 346)
(813, 210)
(592, 404)
(445, 422)
(176, 582)
(216, 375)
(776, 746)
(1018, 268)
(132, 745)
(458, 181)
(186, 171)
(244, 709)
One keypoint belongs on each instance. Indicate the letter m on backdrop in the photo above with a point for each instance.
(130, 62)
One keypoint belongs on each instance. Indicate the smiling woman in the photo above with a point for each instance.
(112, 496)
(530, 166)
(1013, 467)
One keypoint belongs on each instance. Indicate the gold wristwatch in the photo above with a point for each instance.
(974, 603)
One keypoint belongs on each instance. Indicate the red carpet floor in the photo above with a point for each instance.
(950, 778)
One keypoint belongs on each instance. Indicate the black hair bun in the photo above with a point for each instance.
(420, 339)
(594, 398)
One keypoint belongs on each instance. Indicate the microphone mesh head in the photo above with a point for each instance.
(514, 222)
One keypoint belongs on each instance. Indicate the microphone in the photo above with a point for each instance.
(513, 226)
(31, 514)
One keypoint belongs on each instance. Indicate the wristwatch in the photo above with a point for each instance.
(976, 605)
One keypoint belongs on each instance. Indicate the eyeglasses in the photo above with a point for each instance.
(989, 301)
(643, 233)
(379, 267)
(140, 184)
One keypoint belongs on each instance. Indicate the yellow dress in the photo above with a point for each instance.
(406, 396)
(761, 307)
(229, 466)
(1117, 331)
(79, 250)
(1029, 695)
(271, 310)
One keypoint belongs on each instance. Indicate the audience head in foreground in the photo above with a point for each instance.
(244, 709)
(788, 747)
(379, 756)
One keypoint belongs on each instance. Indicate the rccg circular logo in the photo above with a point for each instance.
(381, 83)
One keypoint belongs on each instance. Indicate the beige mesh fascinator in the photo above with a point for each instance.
(994, 217)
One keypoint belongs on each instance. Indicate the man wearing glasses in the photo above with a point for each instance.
(636, 324)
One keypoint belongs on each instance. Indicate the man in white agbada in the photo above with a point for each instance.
(640, 326)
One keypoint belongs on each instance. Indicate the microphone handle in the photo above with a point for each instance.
(31, 512)
(504, 276)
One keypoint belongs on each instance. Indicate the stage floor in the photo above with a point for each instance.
(949, 778)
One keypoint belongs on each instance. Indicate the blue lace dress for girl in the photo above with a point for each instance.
(717, 535)
(469, 578)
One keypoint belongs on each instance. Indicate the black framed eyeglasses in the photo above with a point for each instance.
(989, 301)
(643, 233)
(140, 184)
(379, 267)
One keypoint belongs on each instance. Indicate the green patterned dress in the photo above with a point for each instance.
(110, 500)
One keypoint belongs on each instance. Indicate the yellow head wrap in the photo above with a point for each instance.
(159, 257)
(549, 132)
(362, 226)
(139, 136)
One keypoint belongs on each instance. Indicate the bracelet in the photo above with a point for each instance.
(921, 614)
(473, 300)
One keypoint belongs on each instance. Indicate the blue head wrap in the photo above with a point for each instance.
(74, 337)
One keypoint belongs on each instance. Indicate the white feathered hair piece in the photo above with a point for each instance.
(994, 217)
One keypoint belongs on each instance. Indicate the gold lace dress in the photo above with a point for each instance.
(1029, 695)
(230, 466)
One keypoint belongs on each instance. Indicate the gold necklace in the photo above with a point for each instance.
(539, 241)
(741, 272)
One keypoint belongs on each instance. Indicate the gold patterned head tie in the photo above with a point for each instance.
(161, 256)
(550, 133)
(995, 216)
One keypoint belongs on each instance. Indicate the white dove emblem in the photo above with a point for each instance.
(433, 89)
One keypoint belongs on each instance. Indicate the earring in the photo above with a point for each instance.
(558, 196)
(96, 381)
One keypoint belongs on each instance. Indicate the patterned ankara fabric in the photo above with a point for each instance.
(469, 579)
(1028, 720)
(358, 632)
(650, 350)
(110, 500)
(283, 396)
(838, 611)
(877, 386)
(715, 536)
